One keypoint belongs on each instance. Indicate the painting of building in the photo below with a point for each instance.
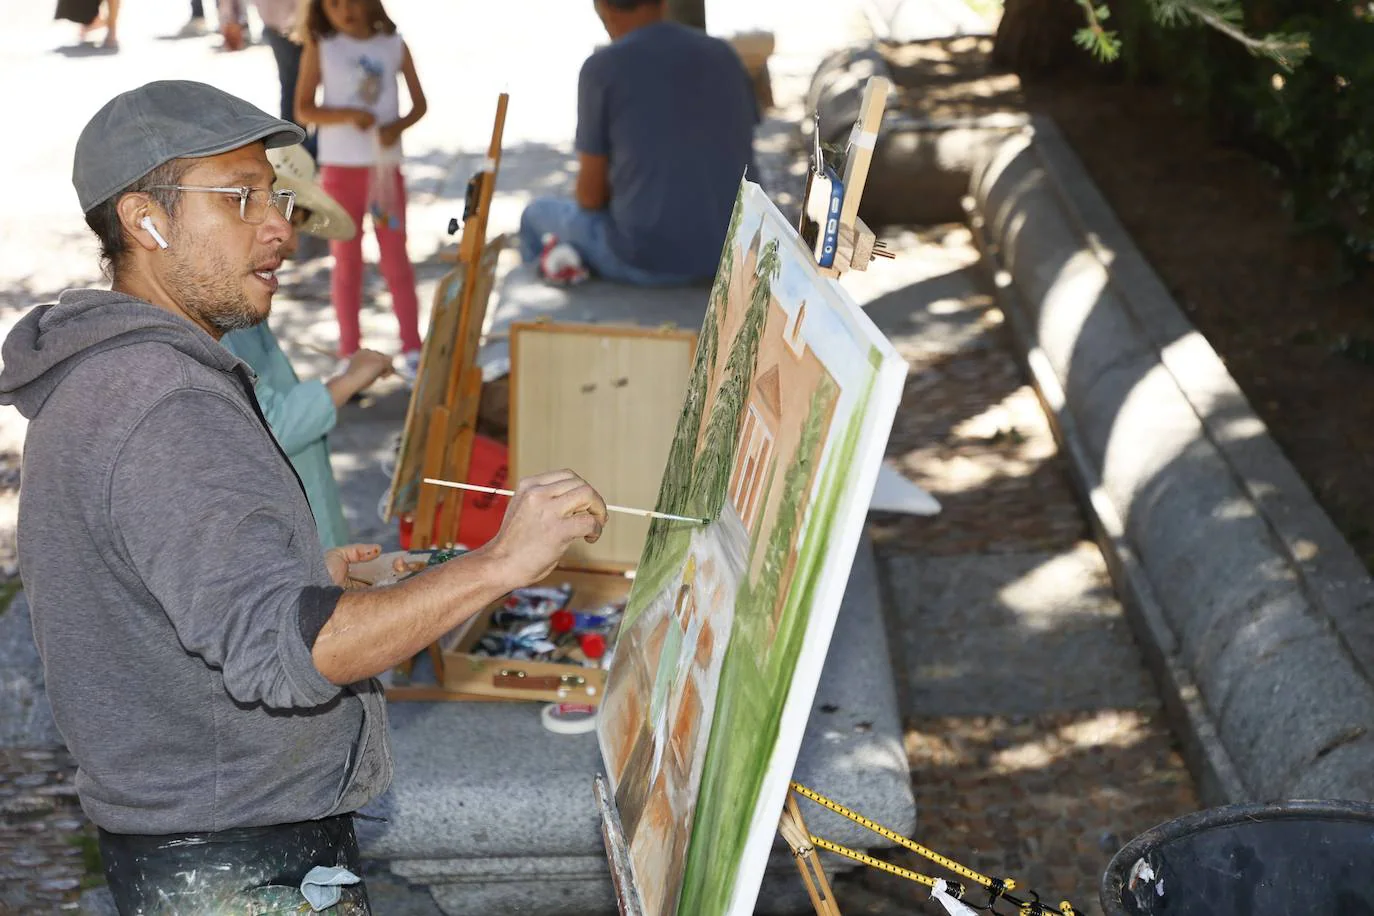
(783, 427)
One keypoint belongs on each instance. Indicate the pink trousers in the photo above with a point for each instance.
(349, 186)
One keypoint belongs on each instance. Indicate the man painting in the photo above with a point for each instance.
(208, 672)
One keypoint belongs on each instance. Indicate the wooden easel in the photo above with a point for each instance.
(798, 838)
(448, 387)
(441, 420)
(857, 246)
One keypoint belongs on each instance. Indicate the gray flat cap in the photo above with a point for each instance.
(139, 130)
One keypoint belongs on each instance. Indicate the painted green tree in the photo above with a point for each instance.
(795, 490)
(676, 487)
(675, 490)
(711, 476)
(720, 290)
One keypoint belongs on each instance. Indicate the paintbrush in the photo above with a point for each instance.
(646, 513)
(315, 348)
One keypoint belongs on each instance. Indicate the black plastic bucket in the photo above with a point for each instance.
(1299, 858)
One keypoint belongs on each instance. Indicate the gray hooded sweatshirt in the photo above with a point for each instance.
(177, 581)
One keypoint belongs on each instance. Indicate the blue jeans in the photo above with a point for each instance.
(586, 231)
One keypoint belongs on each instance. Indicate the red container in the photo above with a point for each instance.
(482, 512)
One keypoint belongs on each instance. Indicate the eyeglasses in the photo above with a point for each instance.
(253, 202)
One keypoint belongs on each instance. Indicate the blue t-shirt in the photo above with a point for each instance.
(673, 109)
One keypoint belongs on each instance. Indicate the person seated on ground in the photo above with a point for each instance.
(301, 414)
(665, 127)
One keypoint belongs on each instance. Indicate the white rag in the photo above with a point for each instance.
(952, 904)
(321, 886)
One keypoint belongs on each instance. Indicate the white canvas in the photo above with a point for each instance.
(783, 430)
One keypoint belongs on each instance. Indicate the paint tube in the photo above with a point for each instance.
(572, 621)
(534, 603)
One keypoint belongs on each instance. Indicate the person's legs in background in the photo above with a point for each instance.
(586, 231)
(196, 25)
(400, 279)
(97, 22)
(288, 56)
(347, 185)
(542, 216)
(111, 25)
(233, 25)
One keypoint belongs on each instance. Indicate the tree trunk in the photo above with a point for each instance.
(688, 12)
(1035, 37)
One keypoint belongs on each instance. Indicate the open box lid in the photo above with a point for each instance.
(602, 400)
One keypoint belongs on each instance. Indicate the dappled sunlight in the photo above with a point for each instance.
(867, 755)
(971, 430)
(1070, 301)
(1092, 732)
(1234, 509)
(947, 78)
(1124, 454)
(1046, 596)
(1107, 728)
(1022, 797)
(1238, 429)
(989, 445)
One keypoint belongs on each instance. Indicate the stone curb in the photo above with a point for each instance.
(1253, 611)
(1251, 607)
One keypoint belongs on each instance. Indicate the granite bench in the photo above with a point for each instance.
(495, 814)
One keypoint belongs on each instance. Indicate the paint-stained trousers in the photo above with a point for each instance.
(255, 870)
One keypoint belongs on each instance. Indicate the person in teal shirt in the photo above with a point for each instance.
(301, 414)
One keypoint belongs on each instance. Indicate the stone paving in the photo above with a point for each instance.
(1035, 740)
(47, 847)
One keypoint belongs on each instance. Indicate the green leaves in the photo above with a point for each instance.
(1096, 40)
(1287, 49)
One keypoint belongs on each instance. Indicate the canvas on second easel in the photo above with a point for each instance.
(786, 419)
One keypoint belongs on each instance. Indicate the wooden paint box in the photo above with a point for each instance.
(603, 401)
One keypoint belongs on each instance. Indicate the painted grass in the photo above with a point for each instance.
(751, 696)
(655, 572)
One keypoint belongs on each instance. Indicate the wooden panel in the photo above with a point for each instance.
(431, 386)
(450, 346)
(471, 674)
(603, 401)
(462, 429)
(422, 534)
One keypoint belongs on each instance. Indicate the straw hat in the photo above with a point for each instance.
(296, 172)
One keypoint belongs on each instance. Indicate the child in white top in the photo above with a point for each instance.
(352, 50)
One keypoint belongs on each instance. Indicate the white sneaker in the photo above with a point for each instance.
(409, 369)
(194, 28)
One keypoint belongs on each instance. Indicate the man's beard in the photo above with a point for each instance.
(212, 292)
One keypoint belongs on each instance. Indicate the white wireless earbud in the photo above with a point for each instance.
(147, 223)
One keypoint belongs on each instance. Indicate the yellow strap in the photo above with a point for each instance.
(870, 861)
(894, 837)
